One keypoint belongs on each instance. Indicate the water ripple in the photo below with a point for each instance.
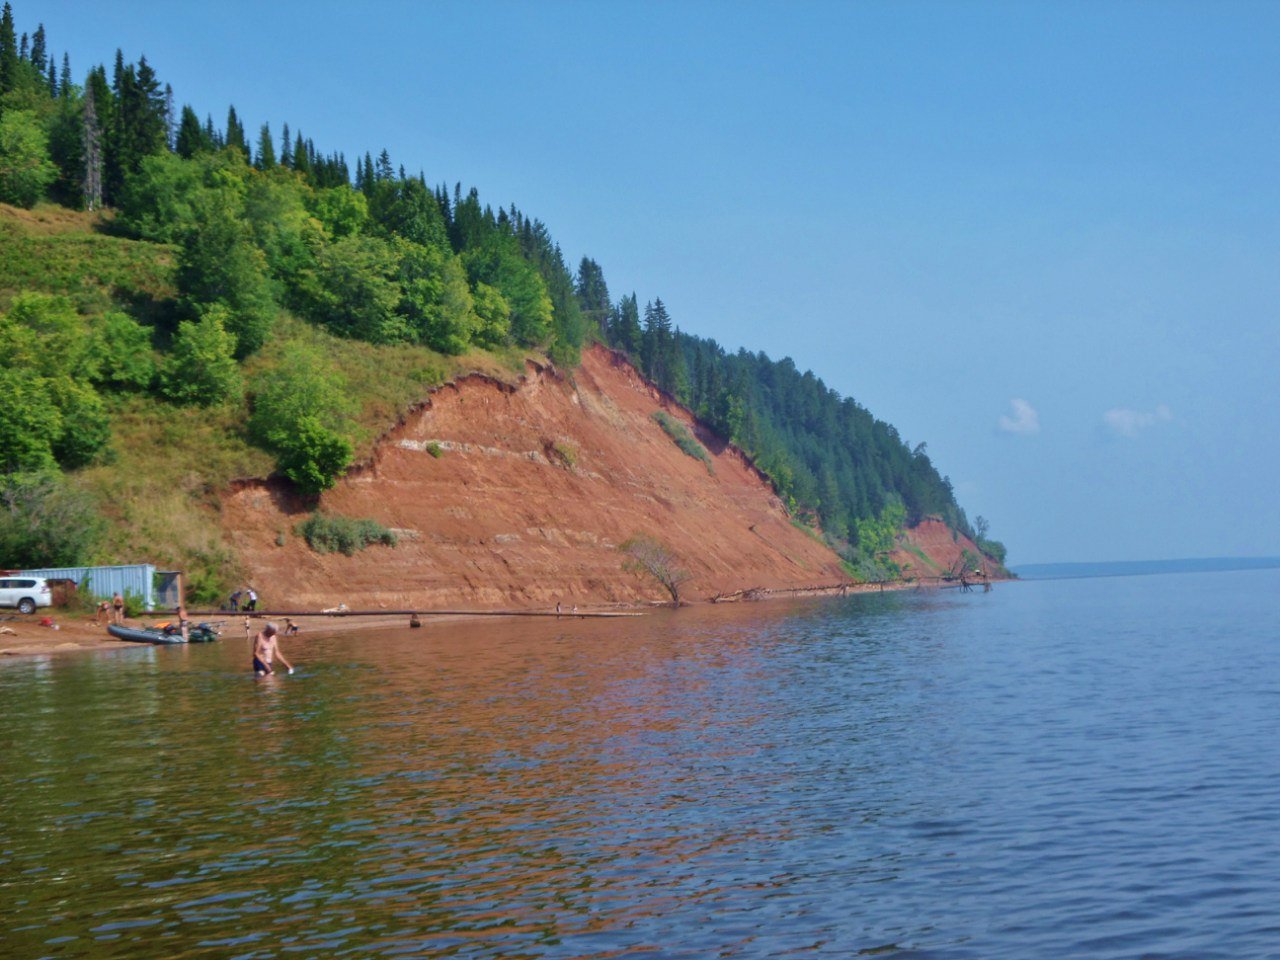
(1071, 769)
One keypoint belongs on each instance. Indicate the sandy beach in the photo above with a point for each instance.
(26, 636)
(23, 636)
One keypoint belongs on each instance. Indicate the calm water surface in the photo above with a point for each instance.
(1083, 768)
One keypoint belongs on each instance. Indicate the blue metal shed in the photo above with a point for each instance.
(136, 578)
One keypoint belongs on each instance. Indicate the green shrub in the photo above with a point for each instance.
(678, 432)
(301, 415)
(25, 168)
(205, 587)
(202, 371)
(993, 549)
(314, 456)
(133, 605)
(566, 452)
(46, 522)
(330, 533)
(435, 449)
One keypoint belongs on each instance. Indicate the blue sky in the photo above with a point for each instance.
(1041, 237)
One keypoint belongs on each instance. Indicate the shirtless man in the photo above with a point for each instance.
(266, 647)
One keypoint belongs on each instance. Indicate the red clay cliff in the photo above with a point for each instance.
(519, 496)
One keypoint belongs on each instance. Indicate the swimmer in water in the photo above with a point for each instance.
(266, 647)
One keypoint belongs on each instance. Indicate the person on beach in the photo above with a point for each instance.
(266, 647)
(290, 628)
(117, 607)
(235, 601)
(252, 594)
(104, 613)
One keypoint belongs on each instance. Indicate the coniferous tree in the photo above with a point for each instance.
(235, 132)
(191, 138)
(170, 119)
(64, 82)
(286, 148)
(39, 52)
(300, 160)
(366, 186)
(593, 295)
(66, 149)
(628, 336)
(266, 158)
(8, 51)
(138, 126)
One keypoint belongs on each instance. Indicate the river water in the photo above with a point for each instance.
(1075, 768)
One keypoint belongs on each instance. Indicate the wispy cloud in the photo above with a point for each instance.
(1024, 420)
(1125, 422)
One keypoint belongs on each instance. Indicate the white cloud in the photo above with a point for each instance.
(1125, 422)
(1024, 419)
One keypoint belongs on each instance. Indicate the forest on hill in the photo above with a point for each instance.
(274, 302)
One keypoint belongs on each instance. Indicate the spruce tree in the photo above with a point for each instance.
(286, 147)
(300, 160)
(39, 52)
(190, 139)
(629, 336)
(266, 158)
(593, 294)
(8, 51)
(65, 82)
(235, 132)
(170, 120)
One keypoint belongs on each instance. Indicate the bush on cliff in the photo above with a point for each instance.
(330, 533)
(301, 415)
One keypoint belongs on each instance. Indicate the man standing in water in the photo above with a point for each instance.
(266, 647)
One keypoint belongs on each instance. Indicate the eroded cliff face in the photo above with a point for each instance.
(531, 493)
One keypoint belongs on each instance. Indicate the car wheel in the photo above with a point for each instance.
(26, 605)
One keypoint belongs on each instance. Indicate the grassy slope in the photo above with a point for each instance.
(159, 481)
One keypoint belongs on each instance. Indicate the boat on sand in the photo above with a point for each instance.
(164, 634)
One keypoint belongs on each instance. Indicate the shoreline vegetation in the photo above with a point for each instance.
(79, 633)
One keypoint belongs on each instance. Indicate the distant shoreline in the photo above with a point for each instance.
(1138, 568)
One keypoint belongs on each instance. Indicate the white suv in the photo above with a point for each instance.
(25, 593)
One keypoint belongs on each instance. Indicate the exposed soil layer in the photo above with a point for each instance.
(520, 496)
(931, 549)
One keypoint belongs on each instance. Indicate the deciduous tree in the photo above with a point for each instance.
(648, 556)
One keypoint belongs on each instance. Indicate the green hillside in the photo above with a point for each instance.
(186, 303)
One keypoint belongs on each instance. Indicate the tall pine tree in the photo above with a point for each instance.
(266, 158)
(8, 51)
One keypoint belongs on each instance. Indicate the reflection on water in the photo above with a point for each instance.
(1082, 768)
